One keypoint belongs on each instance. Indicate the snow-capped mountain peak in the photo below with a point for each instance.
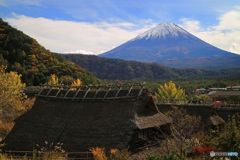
(172, 46)
(164, 30)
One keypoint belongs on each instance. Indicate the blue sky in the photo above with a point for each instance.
(96, 26)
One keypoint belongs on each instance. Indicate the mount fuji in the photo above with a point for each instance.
(172, 46)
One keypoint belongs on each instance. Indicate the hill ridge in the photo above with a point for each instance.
(118, 69)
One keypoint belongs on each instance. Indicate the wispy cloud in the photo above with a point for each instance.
(3, 3)
(85, 10)
(7, 3)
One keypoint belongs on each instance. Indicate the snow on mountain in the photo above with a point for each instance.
(164, 30)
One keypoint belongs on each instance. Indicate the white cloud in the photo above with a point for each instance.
(190, 25)
(225, 35)
(64, 36)
(229, 21)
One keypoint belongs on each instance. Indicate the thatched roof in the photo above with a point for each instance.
(80, 125)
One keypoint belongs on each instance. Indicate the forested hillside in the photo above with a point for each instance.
(113, 69)
(27, 57)
(108, 68)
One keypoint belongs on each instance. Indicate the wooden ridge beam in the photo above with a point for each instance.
(87, 88)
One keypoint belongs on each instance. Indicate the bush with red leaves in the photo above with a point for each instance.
(202, 150)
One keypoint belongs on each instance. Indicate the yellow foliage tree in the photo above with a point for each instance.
(53, 79)
(170, 92)
(78, 82)
(13, 101)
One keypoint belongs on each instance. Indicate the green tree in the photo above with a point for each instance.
(170, 92)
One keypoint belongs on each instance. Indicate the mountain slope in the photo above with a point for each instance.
(118, 69)
(24, 55)
(172, 46)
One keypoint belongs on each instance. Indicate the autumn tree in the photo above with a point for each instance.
(186, 127)
(170, 92)
(13, 101)
(53, 79)
(78, 82)
(115, 154)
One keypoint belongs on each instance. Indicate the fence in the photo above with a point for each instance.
(12, 155)
(84, 92)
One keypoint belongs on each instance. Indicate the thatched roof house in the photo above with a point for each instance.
(80, 125)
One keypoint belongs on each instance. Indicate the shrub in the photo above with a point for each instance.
(202, 150)
(50, 151)
(171, 156)
(99, 153)
(115, 154)
(227, 139)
